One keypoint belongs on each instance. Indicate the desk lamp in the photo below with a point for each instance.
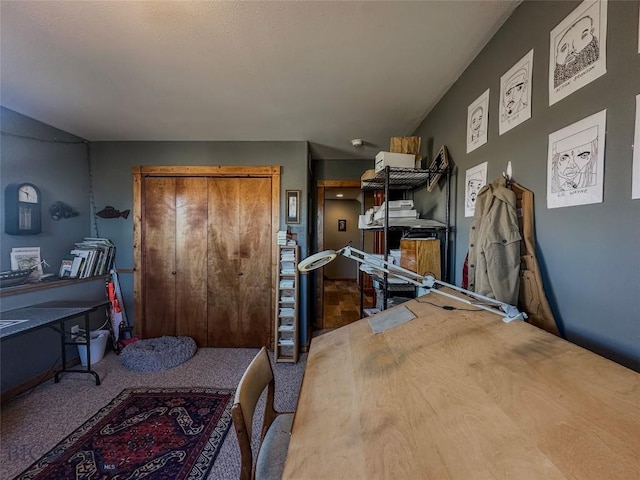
(425, 283)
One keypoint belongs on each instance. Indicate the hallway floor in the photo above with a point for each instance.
(342, 303)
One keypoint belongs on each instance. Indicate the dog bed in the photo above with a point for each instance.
(162, 353)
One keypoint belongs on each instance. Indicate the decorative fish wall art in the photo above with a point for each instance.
(110, 212)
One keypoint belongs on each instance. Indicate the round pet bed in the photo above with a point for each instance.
(153, 354)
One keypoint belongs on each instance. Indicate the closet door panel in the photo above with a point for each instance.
(191, 262)
(224, 326)
(159, 257)
(255, 261)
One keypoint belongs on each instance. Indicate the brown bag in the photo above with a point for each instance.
(532, 299)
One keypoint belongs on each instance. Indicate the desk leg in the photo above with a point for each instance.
(87, 330)
(88, 347)
(63, 352)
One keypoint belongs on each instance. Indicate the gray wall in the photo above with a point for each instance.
(57, 163)
(341, 268)
(112, 163)
(589, 254)
(340, 169)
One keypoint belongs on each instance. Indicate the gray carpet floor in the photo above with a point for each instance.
(35, 422)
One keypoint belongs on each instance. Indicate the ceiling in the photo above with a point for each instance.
(321, 71)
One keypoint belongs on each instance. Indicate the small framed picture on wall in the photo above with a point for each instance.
(293, 206)
(342, 225)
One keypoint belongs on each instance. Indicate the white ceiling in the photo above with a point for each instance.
(320, 71)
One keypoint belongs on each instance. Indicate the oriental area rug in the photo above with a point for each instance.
(151, 433)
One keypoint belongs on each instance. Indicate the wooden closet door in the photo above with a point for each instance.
(159, 256)
(191, 259)
(239, 262)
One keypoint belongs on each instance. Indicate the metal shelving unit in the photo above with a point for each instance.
(406, 180)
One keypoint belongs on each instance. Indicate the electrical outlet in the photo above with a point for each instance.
(75, 329)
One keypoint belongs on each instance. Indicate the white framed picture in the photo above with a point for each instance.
(578, 49)
(575, 169)
(635, 183)
(477, 122)
(515, 94)
(475, 179)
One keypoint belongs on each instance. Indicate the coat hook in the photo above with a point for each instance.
(509, 173)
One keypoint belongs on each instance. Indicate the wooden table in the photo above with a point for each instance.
(454, 394)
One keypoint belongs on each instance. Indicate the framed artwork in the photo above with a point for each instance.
(578, 49)
(575, 171)
(475, 179)
(438, 167)
(293, 206)
(342, 225)
(477, 122)
(515, 94)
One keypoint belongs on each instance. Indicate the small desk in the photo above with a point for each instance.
(53, 315)
(462, 395)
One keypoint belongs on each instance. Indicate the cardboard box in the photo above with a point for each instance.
(404, 160)
(398, 205)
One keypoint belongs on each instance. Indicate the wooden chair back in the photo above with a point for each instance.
(256, 378)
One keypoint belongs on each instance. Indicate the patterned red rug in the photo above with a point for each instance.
(151, 433)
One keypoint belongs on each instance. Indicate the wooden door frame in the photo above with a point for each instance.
(139, 172)
(321, 186)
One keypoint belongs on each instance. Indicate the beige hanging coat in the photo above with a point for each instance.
(533, 300)
(494, 244)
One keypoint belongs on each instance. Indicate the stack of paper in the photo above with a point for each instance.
(287, 268)
(283, 237)
(288, 256)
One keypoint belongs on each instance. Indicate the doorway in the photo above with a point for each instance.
(337, 289)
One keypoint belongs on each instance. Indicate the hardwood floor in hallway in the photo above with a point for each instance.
(342, 303)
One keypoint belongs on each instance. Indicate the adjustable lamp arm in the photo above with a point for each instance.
(427, 283)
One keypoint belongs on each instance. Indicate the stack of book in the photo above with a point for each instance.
(283, 236)
(89, 258)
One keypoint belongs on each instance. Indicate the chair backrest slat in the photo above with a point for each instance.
(257, 377)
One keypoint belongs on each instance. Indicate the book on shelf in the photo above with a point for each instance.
(75, 266)
(90, 257)
(65, 267)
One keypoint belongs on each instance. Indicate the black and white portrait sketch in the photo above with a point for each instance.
(578, 49)
(576, 160)
(477, 122)
(475, 179)
(515, 94)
